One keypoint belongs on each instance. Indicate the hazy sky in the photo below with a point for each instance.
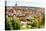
(26, 2)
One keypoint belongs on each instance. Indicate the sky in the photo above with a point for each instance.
(26, 3)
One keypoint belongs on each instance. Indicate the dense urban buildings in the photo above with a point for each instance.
(23, 10)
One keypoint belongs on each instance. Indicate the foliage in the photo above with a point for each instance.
(33, 22)
(12, 25)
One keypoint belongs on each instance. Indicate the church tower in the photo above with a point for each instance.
(16, 4)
